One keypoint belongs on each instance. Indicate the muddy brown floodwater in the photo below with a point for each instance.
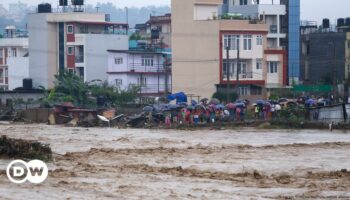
(110, 163)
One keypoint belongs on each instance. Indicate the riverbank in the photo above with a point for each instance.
(253, 124)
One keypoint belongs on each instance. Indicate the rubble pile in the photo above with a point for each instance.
(24, 149)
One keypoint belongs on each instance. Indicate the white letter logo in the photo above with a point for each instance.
(35, 171)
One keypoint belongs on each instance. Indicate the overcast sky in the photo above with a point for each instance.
(310, 9)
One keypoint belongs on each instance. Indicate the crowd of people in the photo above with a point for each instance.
(214, 112)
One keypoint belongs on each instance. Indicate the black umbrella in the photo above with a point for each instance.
(148, 109)
(204, 100)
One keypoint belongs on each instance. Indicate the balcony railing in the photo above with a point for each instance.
(248, 75)
(158, 68)
(154, 88)
(115, 32)
(79, 59)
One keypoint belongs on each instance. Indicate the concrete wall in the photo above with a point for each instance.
(74, 16)
(96, 56)
(40, 47)
(40, 115)
(16, 96)
(205, 12)
(195, 46)
(17, 71)
(14, 42)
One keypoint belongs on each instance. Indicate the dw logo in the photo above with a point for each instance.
(19, 171)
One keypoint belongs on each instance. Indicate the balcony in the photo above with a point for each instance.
(242, 76)
(158, 68)
(154, 89)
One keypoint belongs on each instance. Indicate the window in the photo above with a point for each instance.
(1, 75)
(259, 40)
(258, 64)
(70, 29)
(70, 50)
(255, 90)
(231, 41)
(71, 71)
(6, 73)
(13, 52)
(247, 42)
(232, 70)
(118, 61)
(244, 91)
(142, 81)
(118, 82)
(243, 2)
(147, 61)
(242, 67)
(273, 67)
(1, 53)
(348, 45)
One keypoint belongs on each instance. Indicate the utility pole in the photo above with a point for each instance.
(237, 71)
(166, 76)
(228, 73)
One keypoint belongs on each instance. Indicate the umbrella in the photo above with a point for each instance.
(273, 102)
(198, 106)
(204, 100)
(148, 109)
(190, 107)
(310, 102)
(240, 104)
(260, 102)
(245, 101)
(183, 104)
(174, 107)
(214, 101)
(193, 102)
(219, 106)
(230, 106)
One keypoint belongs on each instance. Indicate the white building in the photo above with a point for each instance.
(18, 70)
(270, 11)
(148, 70)
(77, 41)
(13, 47)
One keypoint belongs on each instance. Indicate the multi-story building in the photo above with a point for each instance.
(283, 20)
(13, 45)
(160, 23)
(149, 70)
(200, 40)
(74, 41)
(325, 55)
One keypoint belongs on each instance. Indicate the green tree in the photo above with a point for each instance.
(70, 88)
(222, 96)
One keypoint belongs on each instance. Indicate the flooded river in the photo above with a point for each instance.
(110, 163)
